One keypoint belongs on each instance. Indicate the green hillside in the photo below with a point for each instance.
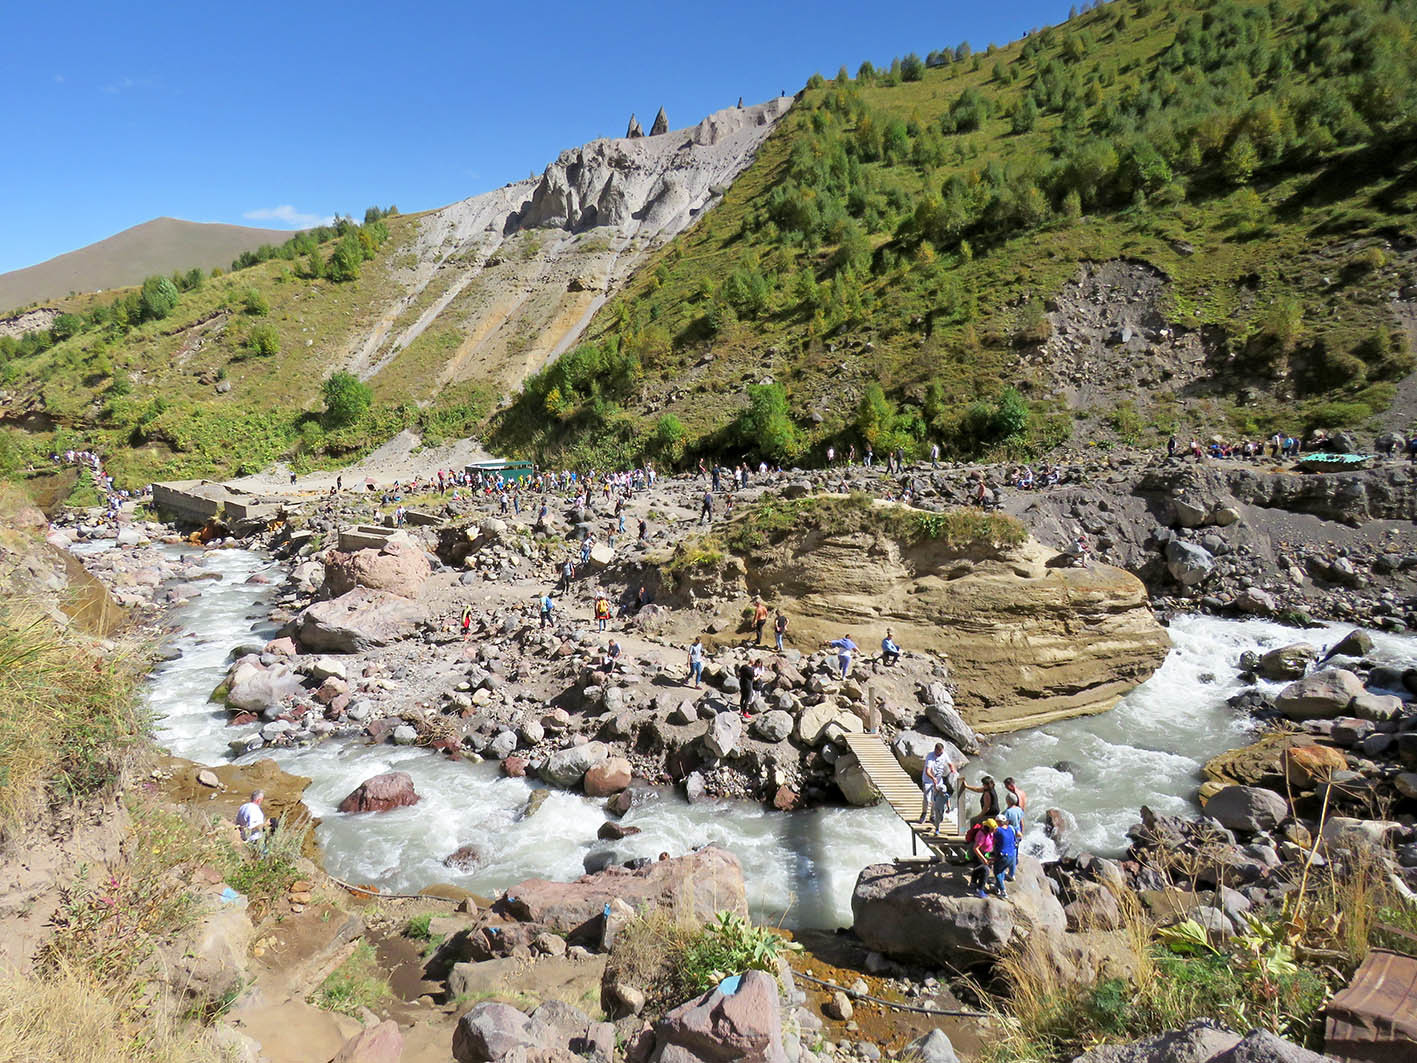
(221, 374)
(884, 271)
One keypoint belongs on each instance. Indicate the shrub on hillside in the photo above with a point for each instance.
(264, 341)
(347, 399)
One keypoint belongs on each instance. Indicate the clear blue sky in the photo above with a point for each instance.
(249, 112)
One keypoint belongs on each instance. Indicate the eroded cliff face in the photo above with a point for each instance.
(1027, 643)
(495, 287)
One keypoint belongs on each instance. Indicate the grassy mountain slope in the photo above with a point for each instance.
(157, 246)
(917, 230)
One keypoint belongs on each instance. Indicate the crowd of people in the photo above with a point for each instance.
(994, 832)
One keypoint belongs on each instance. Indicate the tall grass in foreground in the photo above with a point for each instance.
(68, 1015)
(1275, 974)
(67, 713)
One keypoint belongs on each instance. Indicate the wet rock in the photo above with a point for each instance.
(253, 687)
(1356, 643)
(1286, 662)
(465, 858)
(382, 793)
(853, 782)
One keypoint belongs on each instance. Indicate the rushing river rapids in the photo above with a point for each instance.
(800, 867)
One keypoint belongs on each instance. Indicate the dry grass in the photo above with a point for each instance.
(68, 1015)
(67, 713)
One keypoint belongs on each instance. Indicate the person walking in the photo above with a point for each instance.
(931, 782)
(779, 629)
(706, 512)
(696, 660)
(466, 621)
(760, 619)
(547, 609)
(568, 573)
(602, 612)
(844, 649)
(747, 685)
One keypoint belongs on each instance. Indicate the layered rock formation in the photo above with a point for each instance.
(1028, 642)
(513, 276)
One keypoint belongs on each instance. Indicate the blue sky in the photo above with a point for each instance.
(281, 114)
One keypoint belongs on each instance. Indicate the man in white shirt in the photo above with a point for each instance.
(932, 778)
(251, 818)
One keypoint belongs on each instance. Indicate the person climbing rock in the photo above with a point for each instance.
(844, 649)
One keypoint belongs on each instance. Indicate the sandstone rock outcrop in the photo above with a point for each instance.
(661, 124)
(634, 130)
(1027, 642)
(691, 888)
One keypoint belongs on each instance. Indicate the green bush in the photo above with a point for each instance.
(264, 341)
(347, 399)
(256, 304)
(765, 426)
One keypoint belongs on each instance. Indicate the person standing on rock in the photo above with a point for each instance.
(844, 649)
(779, 628)
(251, 818)
(1012, 789)
(747, 685)
(988, 800)
(760, 619)
(1005, 856)
(696, 661)
(466, 621)
(1013, 814)
(980, 840)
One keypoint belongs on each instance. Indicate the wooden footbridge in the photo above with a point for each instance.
(903, 795)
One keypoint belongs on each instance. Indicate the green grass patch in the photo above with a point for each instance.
(356, 983)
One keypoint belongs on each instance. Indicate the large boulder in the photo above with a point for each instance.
(1287, 662)
(608, 777)
(813, 724)
(381, 1043)
(772, 726)
(740, 1021)
(853, 782)
(382, 793)
(253, 687)
(1247, 808)
(399, 567)
(917, 915)
(554, 1033)
(1308, 765)
(691, 889)
(1320, 696)
(1188, 563)
(1199, 1041)
(940, 711)
(725, 732)
(566, 767)
(357, 621)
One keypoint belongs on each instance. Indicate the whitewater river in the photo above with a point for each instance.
(800, 867)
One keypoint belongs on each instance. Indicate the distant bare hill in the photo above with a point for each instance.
(158, 246)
